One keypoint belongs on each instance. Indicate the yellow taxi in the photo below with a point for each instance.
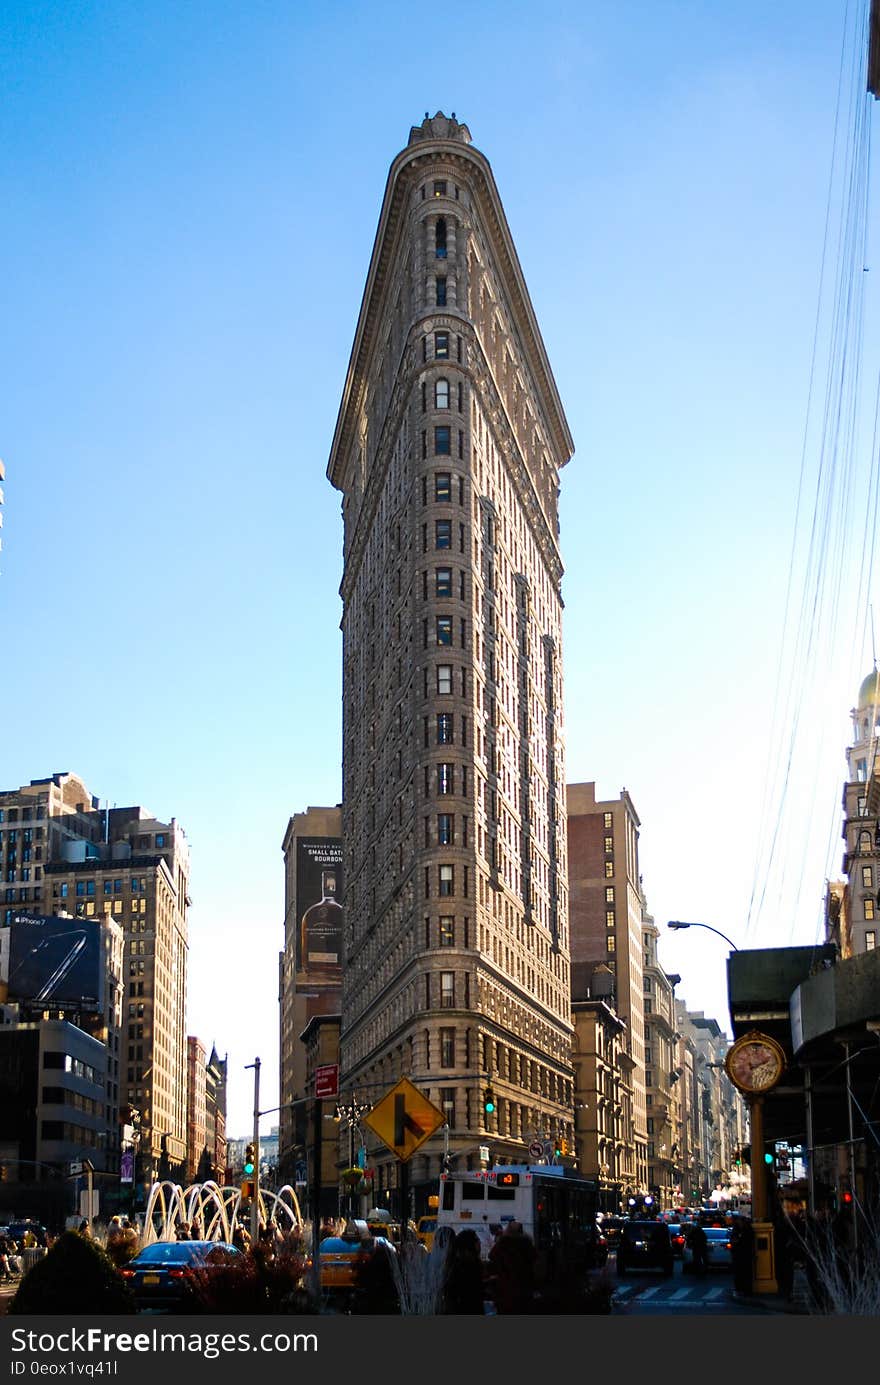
(425, 1228)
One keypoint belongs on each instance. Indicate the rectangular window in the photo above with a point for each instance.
(609, 869)
(609, 918)
(447, 1048)
(444, 629)
(447, 880)
(441, 292)
(441, 346)
(443, 533)
(443, 581)
(870, 940)
(608, 822)
(445, 779)
(439, 188)
(447, 930)
(445, 830)
(610, 942)
(444, 728)
(447, 990)
(867, 879)
(447, 1104)
(441, 440)
(444, 678)
(869, 908)
(609, 894)
(443, 484)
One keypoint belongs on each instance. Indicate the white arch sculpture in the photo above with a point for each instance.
(212, 1210)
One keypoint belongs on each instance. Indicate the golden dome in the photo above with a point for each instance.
(869, 692)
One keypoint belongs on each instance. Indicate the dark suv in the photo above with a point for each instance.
(644, 1245)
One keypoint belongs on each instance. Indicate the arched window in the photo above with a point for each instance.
(440, 238)
(441, 394)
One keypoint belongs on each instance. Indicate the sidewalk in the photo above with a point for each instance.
(798, 1302)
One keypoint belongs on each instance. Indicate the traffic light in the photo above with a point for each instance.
(563, 1146)
(489, 1101)
(738, 1158)
(250, 1155)
(247, 1188)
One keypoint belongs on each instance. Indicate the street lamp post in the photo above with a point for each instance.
(676, 924)
(349, 1115)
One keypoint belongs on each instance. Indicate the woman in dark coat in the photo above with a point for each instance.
(463, 1290)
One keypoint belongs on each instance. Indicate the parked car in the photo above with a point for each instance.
(677, 1237)
(161, 1275)
(719, 1255)
(644, 1245)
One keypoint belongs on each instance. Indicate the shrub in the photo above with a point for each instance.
(75, 1276)
(252, 1284)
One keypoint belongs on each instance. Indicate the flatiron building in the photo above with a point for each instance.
(447, 451)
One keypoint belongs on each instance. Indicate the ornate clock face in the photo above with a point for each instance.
(755, 1063)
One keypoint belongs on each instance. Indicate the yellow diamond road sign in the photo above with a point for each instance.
(404, 1119)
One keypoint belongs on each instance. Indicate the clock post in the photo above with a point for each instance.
(763, 1249)
(755, 1064)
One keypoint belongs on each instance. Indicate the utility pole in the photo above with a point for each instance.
(255, 1202)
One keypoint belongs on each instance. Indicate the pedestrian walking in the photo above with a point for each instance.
(512, 1263)
(464, 1289)
(699, 1251)
(741, 1253)
(7, 1247)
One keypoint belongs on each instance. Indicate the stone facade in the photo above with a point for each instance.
(447, 451)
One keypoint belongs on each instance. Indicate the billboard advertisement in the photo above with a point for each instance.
(55, 962)
(319, 909)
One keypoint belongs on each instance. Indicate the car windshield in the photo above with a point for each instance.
(717, 1233)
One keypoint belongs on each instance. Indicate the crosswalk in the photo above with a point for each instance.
(695, 1296)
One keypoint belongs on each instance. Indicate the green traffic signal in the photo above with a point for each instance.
(489, 1101)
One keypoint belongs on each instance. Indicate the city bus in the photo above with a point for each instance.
(555, 1205)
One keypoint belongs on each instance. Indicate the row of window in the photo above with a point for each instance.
(445, 878)
(441, 347)
(443, 488)
(442, 535)
(445, 778)
(439, 189)
(443, 631)
(443, 583)
(443, 442)
(28, 834)
(441, 395)
(445, 830)
(65, 1062)
(24, 814)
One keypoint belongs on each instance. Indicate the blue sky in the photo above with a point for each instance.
(190, 199)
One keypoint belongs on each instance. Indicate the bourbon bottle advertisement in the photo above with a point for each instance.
(318, 894)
